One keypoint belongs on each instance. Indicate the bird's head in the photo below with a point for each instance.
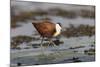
(59, 26)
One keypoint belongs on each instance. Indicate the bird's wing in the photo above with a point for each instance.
(46, 29)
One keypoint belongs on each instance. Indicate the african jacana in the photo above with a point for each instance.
(47, 29)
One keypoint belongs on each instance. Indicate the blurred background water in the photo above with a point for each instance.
(75, 44)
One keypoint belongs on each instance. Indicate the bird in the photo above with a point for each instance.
(48, 29)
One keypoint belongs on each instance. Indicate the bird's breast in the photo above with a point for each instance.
(56, 33)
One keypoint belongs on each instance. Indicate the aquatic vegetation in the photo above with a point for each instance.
(17, 40)
(90, 51)
(81, 30)
(24, 38)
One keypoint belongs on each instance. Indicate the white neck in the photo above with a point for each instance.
(58, 30)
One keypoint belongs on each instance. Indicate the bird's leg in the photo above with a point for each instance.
(48, 44)
(41, 45)
(50, 41)
(53, 43)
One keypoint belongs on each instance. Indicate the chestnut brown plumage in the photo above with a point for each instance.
(45, 28)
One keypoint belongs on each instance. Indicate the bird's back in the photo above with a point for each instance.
(45, 28)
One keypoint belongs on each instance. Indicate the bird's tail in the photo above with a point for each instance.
(34, 24)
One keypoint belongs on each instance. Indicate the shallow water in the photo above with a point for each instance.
(60, 54)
